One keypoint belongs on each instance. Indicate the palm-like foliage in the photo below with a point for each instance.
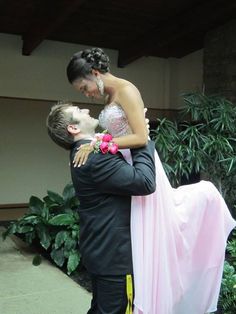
(202, 140)
(227, 300)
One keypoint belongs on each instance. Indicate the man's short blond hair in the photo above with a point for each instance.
(57, 123)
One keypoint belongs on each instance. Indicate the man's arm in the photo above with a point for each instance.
(112, 174)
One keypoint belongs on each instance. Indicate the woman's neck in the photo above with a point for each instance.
(110, 87)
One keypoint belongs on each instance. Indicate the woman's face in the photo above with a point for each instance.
(87, 87)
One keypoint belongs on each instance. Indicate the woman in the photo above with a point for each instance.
(178, 235)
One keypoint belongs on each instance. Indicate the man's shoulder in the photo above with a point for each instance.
(103, 162)
(99, 156)
(97, 160)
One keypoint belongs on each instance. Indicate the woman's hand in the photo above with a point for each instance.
(82, 154)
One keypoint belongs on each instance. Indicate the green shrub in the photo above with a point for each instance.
(227, 299)
(53, 223)
(202, 140)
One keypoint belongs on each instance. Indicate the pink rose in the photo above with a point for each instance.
(113, 149)
(104, 147)
(107, 138)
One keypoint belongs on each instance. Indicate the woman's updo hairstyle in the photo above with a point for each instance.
(83, 62)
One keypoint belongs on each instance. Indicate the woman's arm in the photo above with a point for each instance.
(130, 100)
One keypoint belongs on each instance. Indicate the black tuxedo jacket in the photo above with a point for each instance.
(104, 186)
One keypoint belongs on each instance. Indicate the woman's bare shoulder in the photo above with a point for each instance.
(127, 88)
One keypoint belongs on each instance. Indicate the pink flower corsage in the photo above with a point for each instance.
(102, 142)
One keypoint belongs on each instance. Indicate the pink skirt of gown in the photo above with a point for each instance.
(179, 238)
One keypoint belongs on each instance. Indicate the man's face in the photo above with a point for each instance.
(81, 117)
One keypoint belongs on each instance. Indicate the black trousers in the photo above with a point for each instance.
(109, 295)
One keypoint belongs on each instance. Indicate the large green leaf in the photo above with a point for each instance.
(76, 216)
(31, 219)
(44, 236)
(60, 238)
(36, 205)
(73, 262)
(58, 256)
(10, 230)
(50, 203)
(62, 220)
(70, 199)
(74, 202)
(75, 234)
(67, 253)
(68, 210)
(45, 212)
(24, 229)
(70, 244)
(68, 192)
(55, 197)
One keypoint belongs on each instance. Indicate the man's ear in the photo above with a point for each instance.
(73, 129)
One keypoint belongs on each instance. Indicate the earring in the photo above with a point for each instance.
(100, 86)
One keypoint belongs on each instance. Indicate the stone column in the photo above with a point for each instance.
(219, 61)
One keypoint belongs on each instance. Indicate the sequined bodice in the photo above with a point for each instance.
(113, 119)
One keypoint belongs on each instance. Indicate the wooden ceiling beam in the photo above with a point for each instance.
(173, 30)
(52, 15)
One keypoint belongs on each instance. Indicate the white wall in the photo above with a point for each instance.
(186, 75)
(29, 162)
(42, 75)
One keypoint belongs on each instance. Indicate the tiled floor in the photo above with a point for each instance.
(28, 289)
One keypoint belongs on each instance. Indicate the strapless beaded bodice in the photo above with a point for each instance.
(113, 119)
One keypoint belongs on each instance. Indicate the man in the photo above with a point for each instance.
(104, 186)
